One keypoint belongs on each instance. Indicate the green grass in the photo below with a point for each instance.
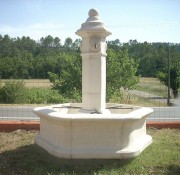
(16, 92)
(153, 86)
(129, 98)
(38, 91)
(30, 83)
(42, 96)
(19, 155)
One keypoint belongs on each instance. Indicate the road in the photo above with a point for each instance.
(17, 113)
(165, 114)
(25, 113)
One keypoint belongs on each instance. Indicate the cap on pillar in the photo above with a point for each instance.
(93, 24)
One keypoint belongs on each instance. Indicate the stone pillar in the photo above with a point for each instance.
(93, 52)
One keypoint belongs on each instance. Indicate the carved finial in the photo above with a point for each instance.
(94, 24)
(93, 12)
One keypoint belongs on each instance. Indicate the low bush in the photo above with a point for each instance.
(122, 96)
(13, 91)
(44, 96)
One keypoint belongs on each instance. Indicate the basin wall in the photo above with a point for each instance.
(90, 139)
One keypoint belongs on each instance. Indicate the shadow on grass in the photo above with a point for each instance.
(32, 160)
(173, 169)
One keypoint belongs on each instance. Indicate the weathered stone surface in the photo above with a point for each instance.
(93, 129)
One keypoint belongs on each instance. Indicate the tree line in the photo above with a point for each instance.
(152, 57)
(27, 58)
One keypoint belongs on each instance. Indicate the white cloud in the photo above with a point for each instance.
(151, 32)
(35, 31)
(45, 26)
(6, 29)
(162, 31)
(146, 25)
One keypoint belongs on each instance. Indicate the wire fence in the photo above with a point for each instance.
(149, 93)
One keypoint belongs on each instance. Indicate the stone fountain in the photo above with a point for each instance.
(93, 129)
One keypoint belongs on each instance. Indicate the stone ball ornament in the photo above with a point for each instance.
(93, 12)
(93, 26)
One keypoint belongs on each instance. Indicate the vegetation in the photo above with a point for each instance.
(12, 92)
(152, 57)
(68, 80)
(152, 86)
(121, 72)
(126, 97)
(15, 92)
(24, 58)
(38, 91)
(42, 96)
(19, 155)
(174, 77)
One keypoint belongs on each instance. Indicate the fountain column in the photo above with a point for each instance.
(93, 52)
(67, 132)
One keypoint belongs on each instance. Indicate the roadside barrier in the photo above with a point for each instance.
(9, 126)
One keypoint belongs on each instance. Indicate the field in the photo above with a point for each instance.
(152, 86)
(144, 83)
(20, 156)
(39, 83)
(40, 89)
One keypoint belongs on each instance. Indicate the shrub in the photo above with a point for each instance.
(122, 96)
(174, 77)
(13, 91)
(44, 96)
(68, 80)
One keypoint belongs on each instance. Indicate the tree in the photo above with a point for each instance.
(68, 80)
(174, 77)
(76, 44)
(26, 58)
(68, 42)
(57, 42)
(114, 44)
(6, 46)
(121, 71)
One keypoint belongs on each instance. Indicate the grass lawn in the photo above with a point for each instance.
(38, 83)
(19, 155)
(152, 86)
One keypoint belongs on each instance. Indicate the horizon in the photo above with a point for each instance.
(145, 21)
(62, 43)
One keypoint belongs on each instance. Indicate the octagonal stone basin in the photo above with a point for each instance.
(67, 131)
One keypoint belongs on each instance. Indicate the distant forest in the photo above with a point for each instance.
(25, 58)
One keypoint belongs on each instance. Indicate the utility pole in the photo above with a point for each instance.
(169, 77)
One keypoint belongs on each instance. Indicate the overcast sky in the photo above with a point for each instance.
(144, 20)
